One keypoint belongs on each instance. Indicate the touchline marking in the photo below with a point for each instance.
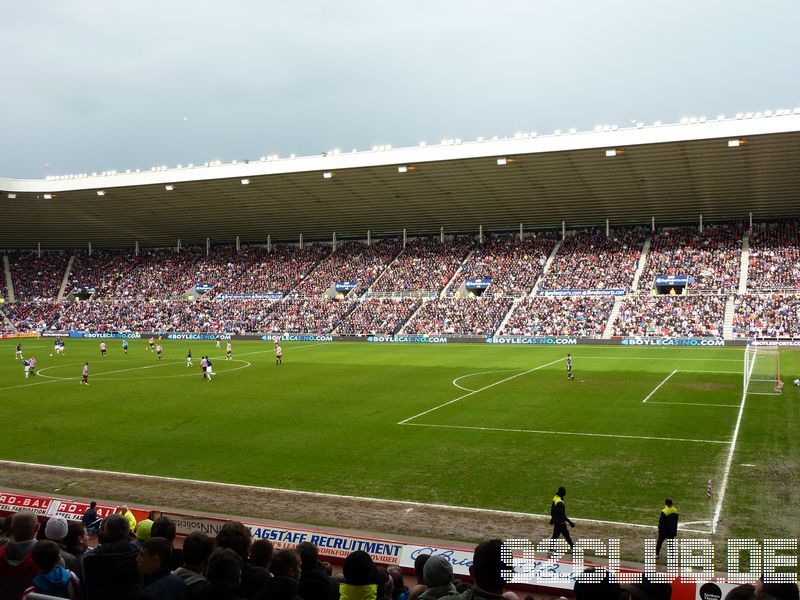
(696, 404)
(473, 374)
(409, 503)
(404, 421)
(678, 358)
(578, 433)
(650, 395)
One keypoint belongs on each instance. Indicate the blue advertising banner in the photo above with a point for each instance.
(478, 284)
(609, 292)
(672, 280)
(257, 296)
(345, 286)
(531, 340)
(669, 341)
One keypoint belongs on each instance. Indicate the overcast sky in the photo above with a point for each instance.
(95, 85)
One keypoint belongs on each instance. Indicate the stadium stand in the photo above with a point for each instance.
(774, 257)
(352, 261)
(378, 316)
(575, 316)
(315, 315)
(513, 264)
(591, 260)
(467, 316)
(683, 316)
(426, 264)
(37, 277)
(767, 316)
(712, 257)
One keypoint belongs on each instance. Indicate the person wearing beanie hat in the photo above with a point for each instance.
(56, 528)
(143, 530)
(438, 577)
(359, 582)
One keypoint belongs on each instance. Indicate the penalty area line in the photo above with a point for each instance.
(577, 433)
(650, 395)
(467, 395)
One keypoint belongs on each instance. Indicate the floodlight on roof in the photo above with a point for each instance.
(327, 175)
(611, 152)
(606, 127)
(693, 120)
(740, 115)
(614, 127)
(494, 138)
(245, 181)
(48, 196)
(12, 196)
(767, 113)
(748, 115)
(639, 125)
(423, 144)
(684, 120)
(557, 132)
(572, 130)
(702, 119)
(402, 169)
(518, 135)
(263, 158)
(101, 192)
(657, 123)
(734, 143)
(502, 161)
(354, 151)
(598, 128)
(169, 187)
(480, 139)
(720, 117)
(292, 155)
(374, 148)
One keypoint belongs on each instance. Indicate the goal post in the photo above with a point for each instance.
(762, 370)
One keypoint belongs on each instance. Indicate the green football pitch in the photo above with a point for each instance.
(472, 425)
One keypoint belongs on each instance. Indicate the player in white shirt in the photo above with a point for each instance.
(159, 349)
(19, 351)
(102, 349)
(278, 354)
(228, 351)
(218, 338)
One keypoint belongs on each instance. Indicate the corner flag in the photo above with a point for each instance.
(710, 491)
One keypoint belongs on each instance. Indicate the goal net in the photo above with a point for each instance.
(762, 370)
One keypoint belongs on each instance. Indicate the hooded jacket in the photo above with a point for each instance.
(58, 582)
(16, 568)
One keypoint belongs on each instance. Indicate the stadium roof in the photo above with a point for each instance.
(723, 169)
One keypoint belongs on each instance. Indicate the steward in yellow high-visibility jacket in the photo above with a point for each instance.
(559, 518)
(667, 523)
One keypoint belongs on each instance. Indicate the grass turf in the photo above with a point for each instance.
(511, 427)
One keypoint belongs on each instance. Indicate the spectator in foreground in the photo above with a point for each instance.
(419, 566)
(646, 590)
(197, 547)
(16, 564)
(398, 581)
(286, 578)
(585, 589)
(315, 583)
(261, 555)
(438, 576)
(237, 537)
(745, 591)
(56, 530)
(778, 591)
(153, 564)
(359, 579)
(165, 527)
(224, 573)
(109, 570)
(487, 568)
(52, 579)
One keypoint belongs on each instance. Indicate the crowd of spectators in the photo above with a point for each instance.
(352, 261)
(711, 259)
(275, 271)
(141, 561)
(591, 260)
(774, 257)
(680, 316)
(373, 315)
(425, 264)
(580, 316)
(767, 316)
(513, 264)
(310, 315)
(464, 316)
(35, 277)
(31, 316)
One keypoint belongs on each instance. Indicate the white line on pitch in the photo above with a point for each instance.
(473, 374)
(404, 421)
(578, 433)
(662, 359)
(696, 404)
(659, 385)
(410, 503)
(731, 450)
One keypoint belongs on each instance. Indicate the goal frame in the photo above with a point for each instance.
(762, 370)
